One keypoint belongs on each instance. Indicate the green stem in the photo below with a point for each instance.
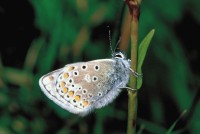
(132, 94)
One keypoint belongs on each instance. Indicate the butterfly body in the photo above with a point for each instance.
(84, 86)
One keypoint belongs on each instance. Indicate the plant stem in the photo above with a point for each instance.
(132, 94)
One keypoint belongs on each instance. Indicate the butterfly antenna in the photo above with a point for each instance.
(117, 44)
(110, 42)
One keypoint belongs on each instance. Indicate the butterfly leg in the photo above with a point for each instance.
(135, 73)
(129, 88)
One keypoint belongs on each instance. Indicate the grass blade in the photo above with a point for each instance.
(174, 124)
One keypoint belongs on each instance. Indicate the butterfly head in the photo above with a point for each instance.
(119, 55)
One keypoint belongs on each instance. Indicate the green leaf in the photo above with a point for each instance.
(143, 47)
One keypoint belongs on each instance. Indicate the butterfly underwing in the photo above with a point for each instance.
(84, 86)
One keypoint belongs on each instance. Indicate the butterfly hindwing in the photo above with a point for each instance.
(77, 87)
(84, 86)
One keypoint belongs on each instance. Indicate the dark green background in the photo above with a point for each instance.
(38, 36)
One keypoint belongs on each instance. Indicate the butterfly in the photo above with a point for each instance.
(84, 86)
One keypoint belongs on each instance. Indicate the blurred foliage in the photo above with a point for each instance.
(49, 34)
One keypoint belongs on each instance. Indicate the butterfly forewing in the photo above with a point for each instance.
(76, 87)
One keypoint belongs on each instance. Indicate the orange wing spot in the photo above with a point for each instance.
(85, 103)
(77, 97)
(62, 84)
(71, 68)
(51, 78)
(65, 89)
(65, 75)
(71, 93)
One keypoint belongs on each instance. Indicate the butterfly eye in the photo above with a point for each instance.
(118, 56)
